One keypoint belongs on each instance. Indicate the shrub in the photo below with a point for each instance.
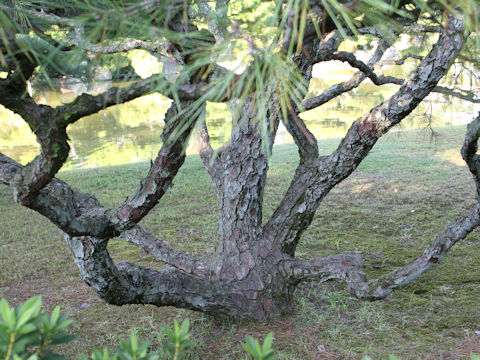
(26, 333)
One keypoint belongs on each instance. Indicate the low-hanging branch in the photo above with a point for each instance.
(161, 251)
(80, 213)
(441, 244)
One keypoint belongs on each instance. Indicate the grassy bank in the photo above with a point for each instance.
(405, 191)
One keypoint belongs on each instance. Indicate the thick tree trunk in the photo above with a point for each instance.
(245, 259)
(254, 273)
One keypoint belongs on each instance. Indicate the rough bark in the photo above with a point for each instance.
(254, 272)
(316, 176)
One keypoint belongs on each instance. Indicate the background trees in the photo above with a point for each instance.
(261, 66)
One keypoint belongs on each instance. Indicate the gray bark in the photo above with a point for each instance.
(254, 272)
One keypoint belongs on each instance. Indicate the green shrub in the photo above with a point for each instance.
(26, 333)
(257, 351)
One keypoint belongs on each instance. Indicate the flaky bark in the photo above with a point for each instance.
(254, 272)
(443, 242)
(316, 176)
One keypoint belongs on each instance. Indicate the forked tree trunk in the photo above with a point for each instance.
(255, 272)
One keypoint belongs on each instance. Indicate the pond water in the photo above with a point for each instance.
(131, 132)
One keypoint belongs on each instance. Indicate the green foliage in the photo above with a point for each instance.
(257, 351)
(27, 333)
(55, 61)
(178, 343)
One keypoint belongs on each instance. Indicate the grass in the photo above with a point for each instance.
(405, 191)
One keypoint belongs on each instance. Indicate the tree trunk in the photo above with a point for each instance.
(254, 273)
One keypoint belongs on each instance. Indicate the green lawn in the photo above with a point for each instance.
(405, 191)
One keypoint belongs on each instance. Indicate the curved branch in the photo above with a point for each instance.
(132, 44)
(443, 242)
(433, 254)
(351, 84)
(49, 126)
(72, 211)
(401, 61)
(469, 151)
(471, 96)
(77, 213)
(309, 161)
(87, 104)
(360, 65)
(127, 283)
(297, 209)
(347, 266)
(304, 139)
(8, 169)
(51, 136)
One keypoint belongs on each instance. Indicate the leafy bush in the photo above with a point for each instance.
(28, 334)
(257, 351)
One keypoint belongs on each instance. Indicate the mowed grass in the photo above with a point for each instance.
(408, 189)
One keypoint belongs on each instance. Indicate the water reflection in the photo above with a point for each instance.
(131, 132)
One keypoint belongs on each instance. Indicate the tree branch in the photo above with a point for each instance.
(293, 201)
(210, 157)
(401, 61)
(360, 65)
(87, 104)
(433, 254)
(351, 84)
(8, 169)
(471, 96)
(304, 139)
(72, 211)
(170, 158)
(127, 283)
(303, 197)
(443, 242)
(132, 44)
(51, 136)
(160, 250)
(347, 266)
(77, 213)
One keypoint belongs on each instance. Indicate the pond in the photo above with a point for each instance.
(132, 132)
